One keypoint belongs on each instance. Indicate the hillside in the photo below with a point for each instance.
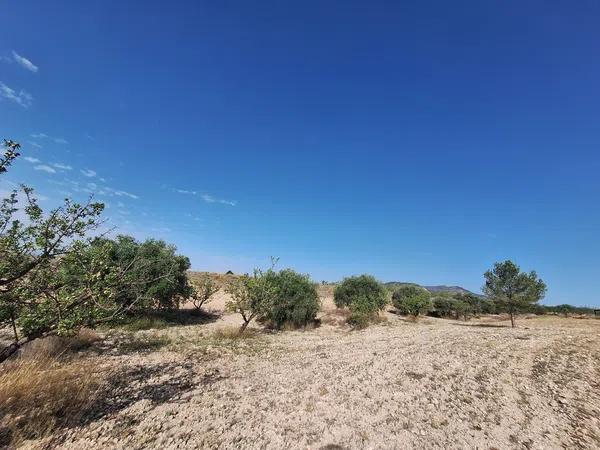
(433, 289)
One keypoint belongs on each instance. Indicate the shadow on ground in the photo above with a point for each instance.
(159, 383)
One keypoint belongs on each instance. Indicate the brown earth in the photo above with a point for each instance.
(432, 384)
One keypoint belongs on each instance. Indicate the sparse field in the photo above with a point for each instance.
(432, 384)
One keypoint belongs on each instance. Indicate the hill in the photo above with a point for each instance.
(432, 289)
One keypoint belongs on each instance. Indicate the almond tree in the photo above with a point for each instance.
(202, 290)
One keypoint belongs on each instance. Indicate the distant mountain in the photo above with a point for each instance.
(443, 288)
(439, 288)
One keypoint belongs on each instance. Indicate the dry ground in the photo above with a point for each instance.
(433, 384)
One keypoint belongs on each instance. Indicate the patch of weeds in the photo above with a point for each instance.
(144, 344)
(144, 323)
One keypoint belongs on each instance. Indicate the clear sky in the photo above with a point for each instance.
(418, 141)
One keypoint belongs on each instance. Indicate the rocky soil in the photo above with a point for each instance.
(431, 384)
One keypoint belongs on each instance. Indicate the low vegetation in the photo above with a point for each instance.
(412, 300)
(41, 391)
(364, 296)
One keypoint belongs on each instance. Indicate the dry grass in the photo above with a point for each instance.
(40, 393)
(56, 346)
(233, 333)
(144, 343)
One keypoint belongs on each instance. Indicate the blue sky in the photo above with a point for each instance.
(417, 141)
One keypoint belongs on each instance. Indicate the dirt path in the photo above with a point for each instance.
(433, 384)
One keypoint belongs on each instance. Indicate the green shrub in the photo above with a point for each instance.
(412, 300)
(365, 297)
(296, 302)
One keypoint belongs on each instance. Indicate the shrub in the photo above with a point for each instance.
(412, 300)
(365, 297)
(296, 301)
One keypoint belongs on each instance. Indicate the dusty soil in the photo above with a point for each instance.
(432, 384)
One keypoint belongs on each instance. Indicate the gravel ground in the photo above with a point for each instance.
(432, 384)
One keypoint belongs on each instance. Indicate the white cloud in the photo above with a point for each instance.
(210, 199)
(31, 160)
(183, 191)
(45, 168)
(57, 140)
(24, 62)
(88, 173)
(34, 144)
(62, 166)
(117, 193)
(21, 98)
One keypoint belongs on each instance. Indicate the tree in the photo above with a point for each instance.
(512, 289)
(364, 295)
(296, 301)
(202, 290)
(55, 276)
(413, 300)
(157, 274)
(251, 295)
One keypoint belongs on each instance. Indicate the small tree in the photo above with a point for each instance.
(364, 295)
(462, 309)
(251, 296)
(296, 301)
(202, 290)
(413, 300)
(512, 289)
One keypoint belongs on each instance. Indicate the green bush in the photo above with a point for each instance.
(412, 300)
(296, 302)
(365, 297)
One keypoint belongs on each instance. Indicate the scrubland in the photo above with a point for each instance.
(190, 381)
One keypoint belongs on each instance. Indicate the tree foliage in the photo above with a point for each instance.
(156, 275)
(512, 289)
(56, 276)
(412, 300)
(251, 295)
(203, 289)
(364, 295)
(295, 302)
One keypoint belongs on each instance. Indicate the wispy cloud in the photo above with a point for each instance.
(88, 173)
(62, 166)
(210, 199)
(57, 140)
(24, 62)
(206, 197)
(31, 160)
(34, 144)
(22, 98)
(45, 168)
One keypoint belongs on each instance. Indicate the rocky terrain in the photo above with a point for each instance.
(432, 384)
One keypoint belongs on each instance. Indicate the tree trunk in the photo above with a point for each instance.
(244, 326)
(7, 352)
(10, 350)
(14, 327)
(512, 318)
